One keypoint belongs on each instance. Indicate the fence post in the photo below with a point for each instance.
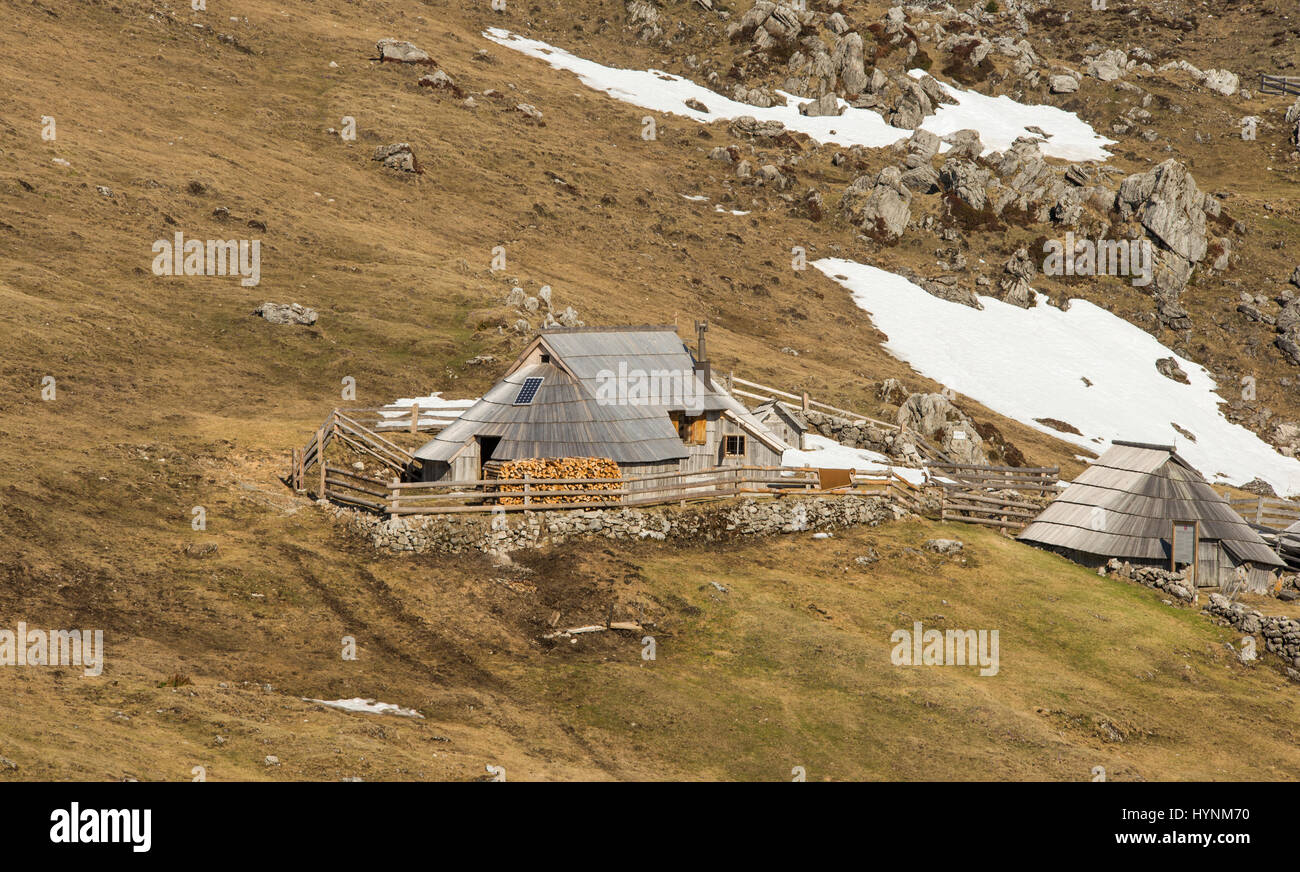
(805, 400)
(1259, 511)
(415, 417)
(527, 498)
(322, 477)
(393, 491)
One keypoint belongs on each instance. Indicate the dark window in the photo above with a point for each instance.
(733, 446)
(528, 391)
(546, 358)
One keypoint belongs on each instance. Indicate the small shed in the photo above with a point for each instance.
(784, 420)
(635, 395)
(1124, 506)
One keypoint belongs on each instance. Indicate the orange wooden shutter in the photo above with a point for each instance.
(699, 430)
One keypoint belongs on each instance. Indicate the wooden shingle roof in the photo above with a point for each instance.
(567, 418)
(1124, 505)
(562, 420)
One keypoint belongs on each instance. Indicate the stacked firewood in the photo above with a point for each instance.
(544, 469)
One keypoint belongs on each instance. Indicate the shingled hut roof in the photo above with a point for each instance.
(1124, 505)
(566, 417)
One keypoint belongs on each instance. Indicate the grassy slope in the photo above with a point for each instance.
(171, 395)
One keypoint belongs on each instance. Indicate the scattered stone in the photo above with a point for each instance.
(944, 546)
(286, 313)
(398, 156)
(531, 112)
(1169, 368)
(401, 52)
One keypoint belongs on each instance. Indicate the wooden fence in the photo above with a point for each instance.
(535, 494)
(342, 428)
(1277, 514)
(977, 494)
(973, 493)
(410, 418)
(1279, 85)
(764, 393)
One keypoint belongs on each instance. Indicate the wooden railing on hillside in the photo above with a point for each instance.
(535, 494)
(1279, 84)
(765, 393)
(1271, 512)
(342, 428)
(977, 494)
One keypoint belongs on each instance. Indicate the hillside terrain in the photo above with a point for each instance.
(170, 394)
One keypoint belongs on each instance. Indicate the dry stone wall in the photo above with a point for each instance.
(502, 532)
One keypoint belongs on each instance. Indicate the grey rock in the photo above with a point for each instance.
(286, 313)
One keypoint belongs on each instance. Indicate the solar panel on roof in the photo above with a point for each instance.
(528, 391)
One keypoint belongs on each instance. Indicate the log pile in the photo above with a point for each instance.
(544, 469)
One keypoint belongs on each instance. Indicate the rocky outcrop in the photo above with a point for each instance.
(1014, 283)
(827, 104)
(1169, 368)
(848, 63)
(897, 446)
(398, 156)
(768, 25)
(1171, 209)
(1170, 206)
(880, 206)
(965, 180)
(937, 420)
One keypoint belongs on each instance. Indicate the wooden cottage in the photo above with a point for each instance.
(784, 420)
(634, 395)
(1124, 506)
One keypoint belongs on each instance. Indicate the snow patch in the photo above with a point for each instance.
(998, 119)
(1029, 363)
(824, 453)
(369, 706)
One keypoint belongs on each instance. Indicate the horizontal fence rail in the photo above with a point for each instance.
(531, 494)
(977, 494)
(1279, 85)
(1272, 512)
(766, 393)
(1001, 496)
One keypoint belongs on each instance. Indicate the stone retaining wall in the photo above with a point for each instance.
(504, 532)
(1281, 634)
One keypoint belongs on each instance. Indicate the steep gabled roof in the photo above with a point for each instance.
(562, 420)
(570, 415)
(1124, 504)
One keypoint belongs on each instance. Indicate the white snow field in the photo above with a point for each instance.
(1031, 363)
(999, 120)
(824, 453)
